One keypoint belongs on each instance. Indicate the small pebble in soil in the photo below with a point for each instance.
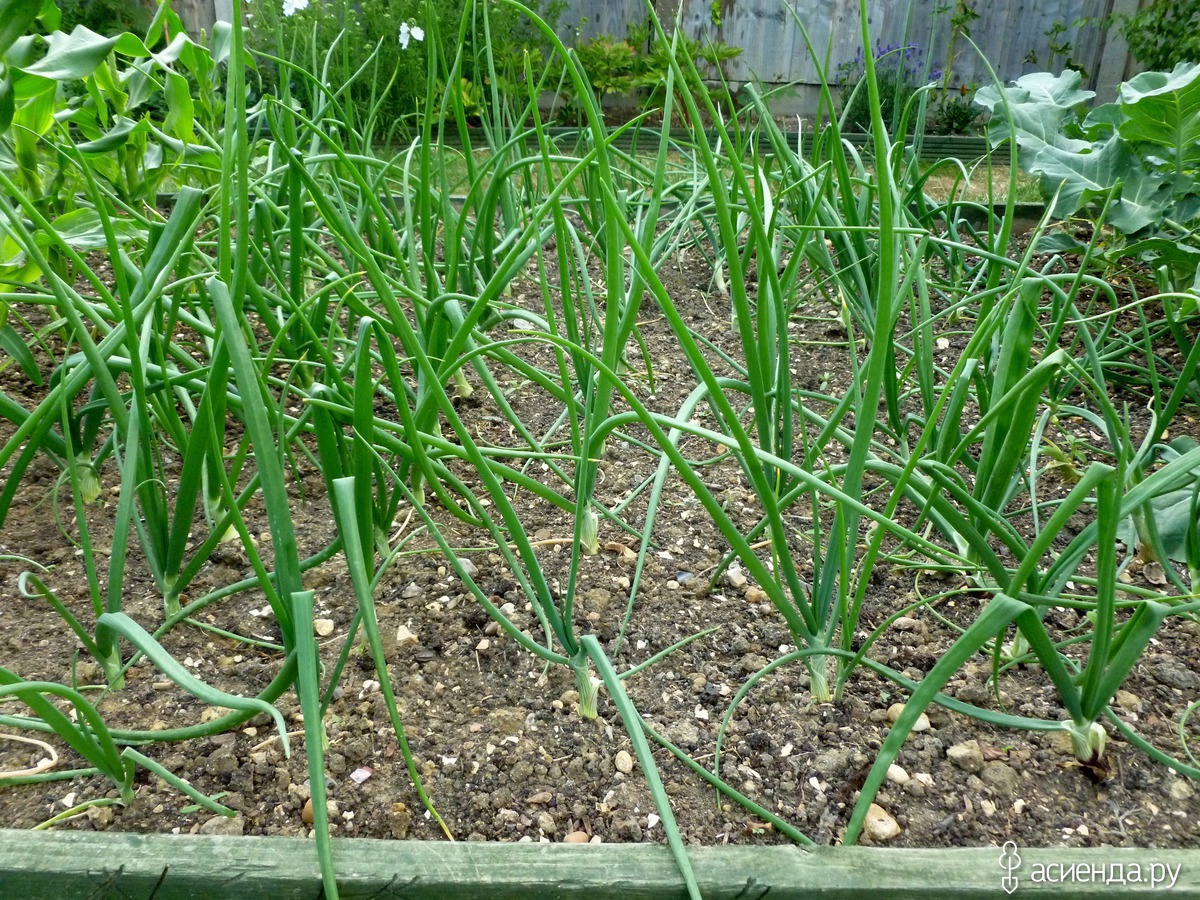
(1001, 777)
(967, 756)
(576, 837)
(1129, 701)
(405, 637)
(1181, 790)
(323, 627)
(879, 825)
(225, 825)
(624, 762)
(894, 711)
(897, 775)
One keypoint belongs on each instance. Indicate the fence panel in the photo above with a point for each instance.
(1017, 36)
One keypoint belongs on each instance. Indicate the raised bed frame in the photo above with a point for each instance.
(74, 865)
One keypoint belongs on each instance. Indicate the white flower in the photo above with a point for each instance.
(409, 33)
(291, 7)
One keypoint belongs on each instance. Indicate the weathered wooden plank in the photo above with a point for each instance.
(1015, 35)
(591, 19)
(75, 865)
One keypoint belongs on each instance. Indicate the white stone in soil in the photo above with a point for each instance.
(897, 775)
(879, 824)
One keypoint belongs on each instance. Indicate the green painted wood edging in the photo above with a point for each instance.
(70, 865)
(933, 147)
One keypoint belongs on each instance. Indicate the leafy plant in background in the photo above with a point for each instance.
(107, 17)
(955, 114)
(1058, 47)
(1140, 155)
(334, 36)
(640, 65)
(900, 71)
(1162, 33)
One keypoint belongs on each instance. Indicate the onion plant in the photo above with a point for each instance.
(321, 301)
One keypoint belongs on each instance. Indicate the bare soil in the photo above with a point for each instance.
(502, 749)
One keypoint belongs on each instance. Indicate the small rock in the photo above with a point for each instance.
(469, 568)
(483, 644)
(101, 817)
(967, 756)
(234, 826)
(624, 762)
(323, 627)
(905, 623)
(752, 662)
(1000, 776)
(541, 798)
(306, 814)
(834, 761)
(894, 711)
(576, 837)
(1154, 573)
(546, 823)
(412, 591)
(897, 775)
(221, 762)
(1174, 674)
(1181, 790)
(597, 599)
(683, 734)
(988, 807)
(735, 578)
(879, 825)
(404, 636)
(628, 829)
(1060, 743)
(402, 821)
(1128, 700)
(757, 595)
(507, 721)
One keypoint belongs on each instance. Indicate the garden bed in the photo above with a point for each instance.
(868, 515)
(501, 746)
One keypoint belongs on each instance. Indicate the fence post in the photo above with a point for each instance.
(196, 15)
(1114, 56)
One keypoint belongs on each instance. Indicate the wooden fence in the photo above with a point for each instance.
(1015, 36)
